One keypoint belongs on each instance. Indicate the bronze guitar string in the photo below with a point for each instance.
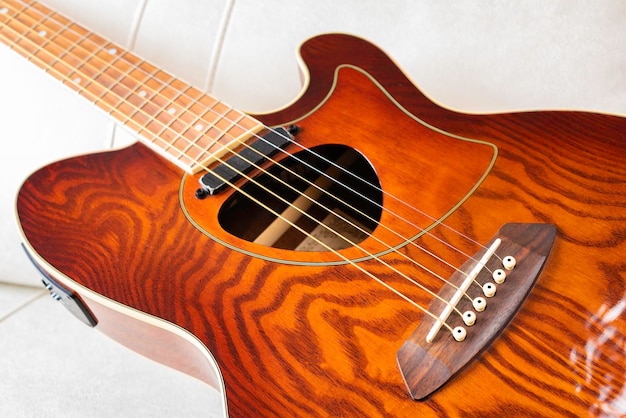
(93, 54)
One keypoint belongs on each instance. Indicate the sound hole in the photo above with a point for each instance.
(345, 203)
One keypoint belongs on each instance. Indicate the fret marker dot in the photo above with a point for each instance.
(143, 93)
(4, 10)
(112, 51)
(77, 80)
(42, 33)
(171, 111)
(199, 127)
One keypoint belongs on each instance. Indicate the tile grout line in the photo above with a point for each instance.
(134, 26)
(38, 295)
(219, 43)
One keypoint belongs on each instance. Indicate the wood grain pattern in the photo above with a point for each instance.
(321, 340)
(427, 365)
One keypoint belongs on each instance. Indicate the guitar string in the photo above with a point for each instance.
(179, 135)
(83, 87)
(165, 127)
(350, 262)
(339, 167)
(93, 53)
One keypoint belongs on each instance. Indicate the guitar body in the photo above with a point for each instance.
(305, 333)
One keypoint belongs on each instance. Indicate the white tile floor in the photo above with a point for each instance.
(51, 365)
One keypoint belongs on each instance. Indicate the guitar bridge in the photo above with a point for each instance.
(513, 259)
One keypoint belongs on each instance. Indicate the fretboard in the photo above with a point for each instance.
(190, 128)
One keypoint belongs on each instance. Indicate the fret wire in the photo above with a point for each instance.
(208, 110)
(45, 65)
(90, 57)
(173, 118)
(205, 109)
(56, 58)
(29, 32)
(103, 87)
(138, 108)
(52, 27)
(189, 135)
(122, 76)
(156, 92)
(159, 150)
(75, 50)
(60, 57)
(201, 133)
(18, 18)
(63, 27)
(206, 129)
(216, 114)
(149, 100)
(118, 80)
(172, 103)
(82, 61)
(140, 84)
(144, 99)
(214, 140)
(232, 124)
(114, 80)
(103, 47)
(40, 22)
(73, 46)
(21, 12)
(189, 116)
(53, 38)
(56, 31)
(120, 99)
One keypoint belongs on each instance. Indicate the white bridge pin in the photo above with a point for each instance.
(509, 262)
(469, 318)
(459, 333)
(489, 290)
(479, 304)
(499, 276)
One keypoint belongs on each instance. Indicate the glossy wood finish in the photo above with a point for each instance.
(428, 362)
(300, 340)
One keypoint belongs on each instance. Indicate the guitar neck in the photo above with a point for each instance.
(190, 128)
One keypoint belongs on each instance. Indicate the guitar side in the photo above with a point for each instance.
(314, 340)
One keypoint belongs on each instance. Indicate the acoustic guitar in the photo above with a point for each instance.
(360, 252)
